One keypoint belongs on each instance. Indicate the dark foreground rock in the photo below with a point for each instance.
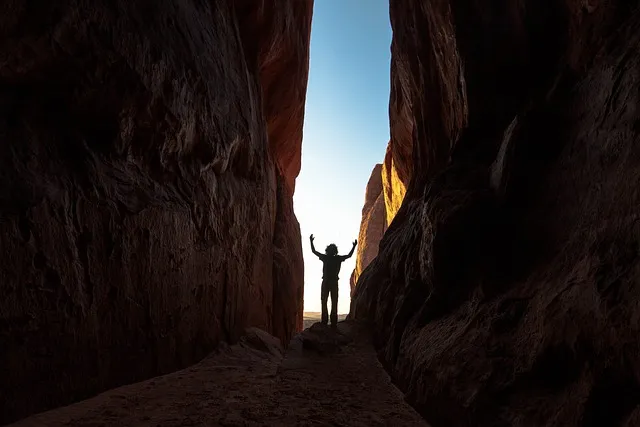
(507, 288)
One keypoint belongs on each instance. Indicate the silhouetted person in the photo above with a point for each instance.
(331, 267)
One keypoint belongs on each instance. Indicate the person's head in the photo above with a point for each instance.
(331, 250)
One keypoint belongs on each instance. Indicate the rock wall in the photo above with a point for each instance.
(393, 187)
(396, 172)
(372, 225)
(397, 168)
(506, 290)
(148, 159)
(276, 38)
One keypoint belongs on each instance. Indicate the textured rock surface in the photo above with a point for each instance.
(372, 225)
(397, 167)
(393, 187)
(402, 120)
(148, 159)
(506, 291)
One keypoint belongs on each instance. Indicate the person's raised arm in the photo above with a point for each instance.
(313, 248)
(353, 248)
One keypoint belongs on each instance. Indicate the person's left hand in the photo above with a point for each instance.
(355, 242)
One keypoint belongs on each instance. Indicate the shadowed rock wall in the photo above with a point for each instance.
(148, 157)
(506, 290)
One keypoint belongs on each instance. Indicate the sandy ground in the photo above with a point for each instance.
(326, 378)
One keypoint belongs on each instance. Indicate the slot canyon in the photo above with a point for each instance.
(152, 268)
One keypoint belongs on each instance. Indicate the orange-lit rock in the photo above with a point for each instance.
(276, 42)
(393, 187)
(148, 160)
(372, 225)
(276, 36)
(506, 291)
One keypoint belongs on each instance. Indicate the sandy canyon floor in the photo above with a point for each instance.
(325, 378)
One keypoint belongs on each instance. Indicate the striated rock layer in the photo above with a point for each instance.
(372, 225)
(148, 159)
(506, 291)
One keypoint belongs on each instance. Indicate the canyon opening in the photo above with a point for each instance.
(152, 265)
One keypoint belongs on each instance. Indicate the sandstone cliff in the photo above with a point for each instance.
(372, 225)
(149, 154)
(395, 174)
(394, 188)
(506, 289)
(397, 168)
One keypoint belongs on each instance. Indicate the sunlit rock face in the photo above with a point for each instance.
(149, 155)
(372, 225)
(506, 289)
(393, 187)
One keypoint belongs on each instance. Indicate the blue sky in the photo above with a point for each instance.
(346, 130)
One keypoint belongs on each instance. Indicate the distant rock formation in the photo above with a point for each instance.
(506, 290)
(148, 161)
(383, 197)
(372, 226)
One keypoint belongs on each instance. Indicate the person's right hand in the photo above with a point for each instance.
(311, 237)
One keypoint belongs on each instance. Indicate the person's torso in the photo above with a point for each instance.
(331, 267)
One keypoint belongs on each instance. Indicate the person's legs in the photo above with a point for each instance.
(324, 294)
(334, 303)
